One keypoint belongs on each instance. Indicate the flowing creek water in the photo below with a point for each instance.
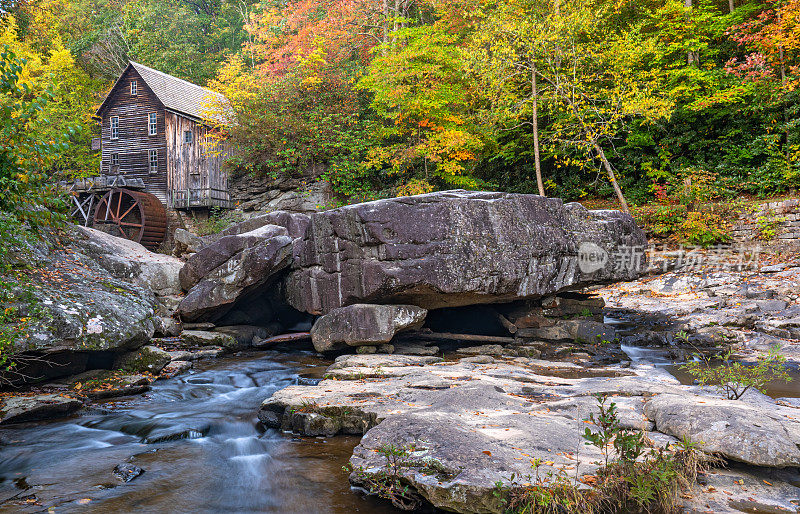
(222, 461)
(197, 438)
(660, 359)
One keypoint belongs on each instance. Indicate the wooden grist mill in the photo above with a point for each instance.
(159, 152)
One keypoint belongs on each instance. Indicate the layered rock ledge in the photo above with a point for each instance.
(454, 248)
(472, 422)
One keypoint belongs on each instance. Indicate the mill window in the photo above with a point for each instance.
(114, 160)
(187, 136)
(151, 124)
(114, 127)
(134, 88)
(153, 161)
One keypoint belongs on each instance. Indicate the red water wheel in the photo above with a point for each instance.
(134, 215)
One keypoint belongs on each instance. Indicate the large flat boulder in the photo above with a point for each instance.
(456, 248)
(361, 324)
(734, 429)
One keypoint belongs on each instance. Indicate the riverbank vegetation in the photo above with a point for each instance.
(661, 101)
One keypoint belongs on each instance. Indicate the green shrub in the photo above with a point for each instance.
(634, 477)
(218, 220)
(704, 228)
(734, 378)
(768, 225)
(660, 220)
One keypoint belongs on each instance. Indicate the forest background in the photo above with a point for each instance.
(657, 104)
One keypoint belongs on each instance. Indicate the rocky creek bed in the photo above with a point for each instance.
(465, 328)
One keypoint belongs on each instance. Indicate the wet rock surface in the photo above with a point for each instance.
(207, 338)
(150, 359)
(715, 307)
(18, 409)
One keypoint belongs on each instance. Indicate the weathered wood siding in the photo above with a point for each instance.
(134, 142)
(194, 170)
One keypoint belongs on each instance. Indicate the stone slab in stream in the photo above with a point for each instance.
(364, 325)
(737, 430)
(17, 409)
(472, 422)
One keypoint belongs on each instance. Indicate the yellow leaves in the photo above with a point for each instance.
(414, 187)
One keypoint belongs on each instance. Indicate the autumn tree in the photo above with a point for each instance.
(421, 86)
(507, 51)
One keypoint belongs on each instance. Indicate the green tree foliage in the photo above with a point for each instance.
(733, 378)
(574, 98)
(420, 87)
(186, 38)
(49, 69)
(27, 200)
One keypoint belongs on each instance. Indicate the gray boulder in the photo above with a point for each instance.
(244, 334)
(296, 225)
(75, 306)
(204, 338)
(364, 325)
(458, 248)
(17, 409)
(128, 260)
(220, 274)
(734, 429)
(151, 359)
(214, 255)
(186, 242)
(584, 330)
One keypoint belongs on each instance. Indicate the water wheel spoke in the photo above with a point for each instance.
(129, 224)
(119, 205)
(100, 205)
(135, 204)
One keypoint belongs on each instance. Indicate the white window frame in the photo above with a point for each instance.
(187, 137)
(134, 88)
(114, 160)
(152, 124)
(153, 161)
(114, 126)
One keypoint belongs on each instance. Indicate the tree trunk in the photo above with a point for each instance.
(607, 165)
(536, 156)
(693, 57)
(731, 6)
(782, 55)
